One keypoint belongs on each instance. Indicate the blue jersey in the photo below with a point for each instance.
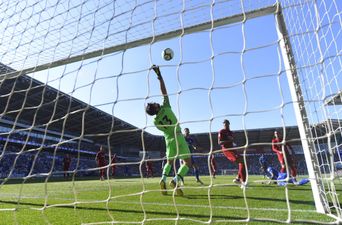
(262, 160)
(263, 163)
(190, 141)
(272, 173)
(282, 176)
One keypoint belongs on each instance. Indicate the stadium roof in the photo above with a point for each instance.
(34, 104)
(328, 127)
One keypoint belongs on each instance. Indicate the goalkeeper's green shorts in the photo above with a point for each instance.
(177, 148)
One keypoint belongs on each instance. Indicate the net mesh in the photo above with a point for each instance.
(84, 79)
(317, 45)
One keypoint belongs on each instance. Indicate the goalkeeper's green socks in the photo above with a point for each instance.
(182, 171)
(166, 171)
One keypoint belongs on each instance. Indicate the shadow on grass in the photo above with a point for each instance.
(290, 187)
(60, 179)
(133, 211)
(235, 197)
(160, 213)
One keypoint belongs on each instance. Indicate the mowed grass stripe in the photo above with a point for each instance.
(132, 200)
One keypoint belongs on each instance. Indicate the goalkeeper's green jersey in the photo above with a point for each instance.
(167, 122)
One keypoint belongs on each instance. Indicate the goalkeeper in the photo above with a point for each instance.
(176, 146)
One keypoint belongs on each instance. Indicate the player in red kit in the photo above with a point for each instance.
(113, 166)
(66, 164)
(149, 168)
(101, 161)
(226, 139)
(289, 155)
(212, 165)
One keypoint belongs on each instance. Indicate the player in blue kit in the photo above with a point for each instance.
(272, 173)
(263, 164)
(281, 178)
(191, 143)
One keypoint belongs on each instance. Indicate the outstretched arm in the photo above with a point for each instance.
(161, 80)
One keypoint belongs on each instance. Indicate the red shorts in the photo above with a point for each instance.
(66, 167)
(231, 155)
(101, 163)
(281, 159)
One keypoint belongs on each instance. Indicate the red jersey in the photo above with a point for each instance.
(226, 135)
(148, 165)
(276, 147)
(100, 157)
(66, 160)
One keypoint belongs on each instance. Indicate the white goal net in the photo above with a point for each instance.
(76, 75)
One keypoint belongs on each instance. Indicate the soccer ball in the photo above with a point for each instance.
(167, 54)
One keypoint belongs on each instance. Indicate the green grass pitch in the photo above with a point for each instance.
(139, 200)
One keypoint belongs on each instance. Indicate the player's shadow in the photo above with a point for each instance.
(236, 197)
(290, 187)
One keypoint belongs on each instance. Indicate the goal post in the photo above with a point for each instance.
(312, 105)
(304, 127)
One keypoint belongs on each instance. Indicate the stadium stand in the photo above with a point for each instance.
(39, 132)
